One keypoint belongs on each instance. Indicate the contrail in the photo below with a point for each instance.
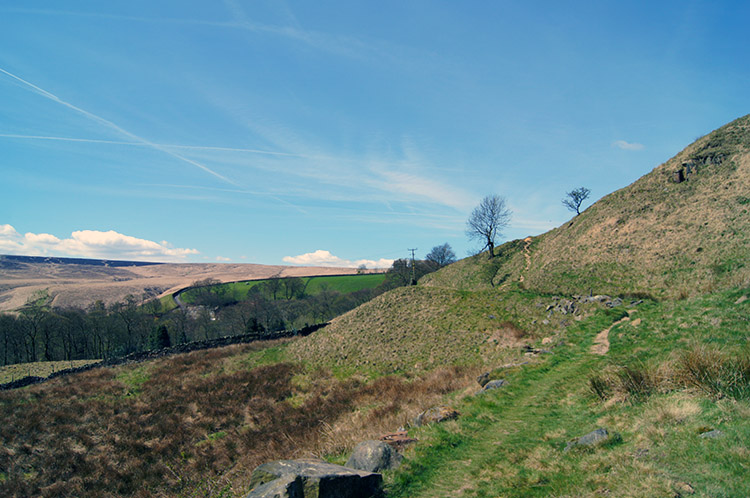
(110, 124)
(145, 144)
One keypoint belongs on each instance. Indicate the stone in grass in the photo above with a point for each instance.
(374, 456)
(493, 384)
(483, 379)
(683, 488)
(318, 478)
(712, 434)
(434, 415)
(592, 439)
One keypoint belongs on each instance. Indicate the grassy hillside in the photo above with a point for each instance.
(656, 237)
(678, 371)
(419, 328)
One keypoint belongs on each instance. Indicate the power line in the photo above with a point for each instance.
(413, 274)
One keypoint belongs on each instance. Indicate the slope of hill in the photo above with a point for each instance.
(658, 236)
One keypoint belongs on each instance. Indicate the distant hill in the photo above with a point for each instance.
(78, 282)
(12, 261)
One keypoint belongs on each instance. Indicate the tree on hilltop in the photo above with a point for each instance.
(575, 198)
(441, 255)
(487, 222)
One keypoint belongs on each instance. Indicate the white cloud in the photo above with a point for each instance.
(222, 258)
(412, 186)
(325, 258)
(90, 244)
(622, 144)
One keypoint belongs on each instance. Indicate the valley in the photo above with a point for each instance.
(631, 321)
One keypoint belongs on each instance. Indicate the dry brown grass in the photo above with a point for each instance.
(190, 425)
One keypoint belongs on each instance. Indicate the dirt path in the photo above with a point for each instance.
(527, 255)
(601, 341)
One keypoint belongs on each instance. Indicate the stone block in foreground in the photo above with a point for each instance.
(318, 479)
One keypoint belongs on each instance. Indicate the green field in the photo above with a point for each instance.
(313, 285)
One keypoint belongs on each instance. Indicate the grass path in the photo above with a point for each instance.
(510, 442)
(508, 438)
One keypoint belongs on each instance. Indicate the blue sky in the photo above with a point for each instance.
(340, 132)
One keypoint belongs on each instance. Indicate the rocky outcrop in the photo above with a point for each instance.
(310, 478)
(493, 384)
(374, 456)
(434, 415)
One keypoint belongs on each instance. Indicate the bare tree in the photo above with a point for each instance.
(575, 198)
(441, 256)
(487, 222)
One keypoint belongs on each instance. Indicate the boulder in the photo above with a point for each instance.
(493, 384)
(434, 415)
(593, 438)
(288, 486)
(374, 456)
(483, 379)
(318, 479)
(712, 434)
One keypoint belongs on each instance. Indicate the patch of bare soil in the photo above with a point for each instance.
(80, 285)
(601, 341)
(527, 256)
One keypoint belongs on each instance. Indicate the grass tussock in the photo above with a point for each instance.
(710, 370)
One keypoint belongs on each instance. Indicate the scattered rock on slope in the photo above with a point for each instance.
(374, 456)
(493, 384)
(594, 438)
(435, 415)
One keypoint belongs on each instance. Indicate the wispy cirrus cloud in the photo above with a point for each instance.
(325, 258)
(109, 124)
(622, 144)
(90, 244)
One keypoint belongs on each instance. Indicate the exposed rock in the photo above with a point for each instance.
(434, 415)
(614, 303)
(374, 456)
(319, 479)
(288, 486)
(591, 439)
(741, 300)
(528, 350)
(712, 434)
(398, 440)
(683, 488)
(483, 379)
(494, 384)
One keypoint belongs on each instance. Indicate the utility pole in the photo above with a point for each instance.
(413, 274)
